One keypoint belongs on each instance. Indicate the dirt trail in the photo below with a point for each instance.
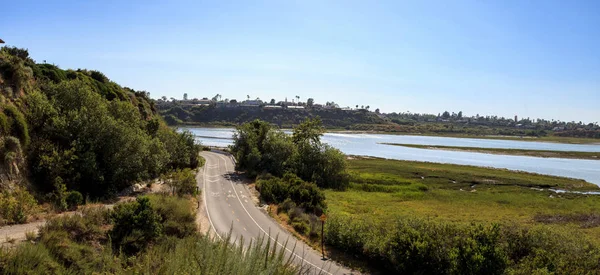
(13, 234)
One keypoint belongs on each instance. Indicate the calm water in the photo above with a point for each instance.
(369, 145)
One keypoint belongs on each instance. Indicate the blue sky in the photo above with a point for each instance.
(530, 58)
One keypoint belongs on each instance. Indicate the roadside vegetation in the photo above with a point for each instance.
(291, 169)
(504, 151)
(414, 217)
(154, 234)
(71, 136)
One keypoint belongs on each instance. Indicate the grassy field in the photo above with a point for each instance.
(504, 151)
(383, 190)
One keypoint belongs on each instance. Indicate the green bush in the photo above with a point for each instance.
(74, 199)
(176, 215)
(136, 225)
(18, 124)
(304, 194)
(183, 182)
(16, 206)
(4, 126)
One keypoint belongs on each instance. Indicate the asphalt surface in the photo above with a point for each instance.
(230, 209)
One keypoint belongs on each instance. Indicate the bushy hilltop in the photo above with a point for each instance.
(176, 112)
(69, 134)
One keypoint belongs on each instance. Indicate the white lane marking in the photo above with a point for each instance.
(204, 184)
(293, 253)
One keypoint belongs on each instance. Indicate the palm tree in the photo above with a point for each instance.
(356, 106)
(298, 99)
(248, 97)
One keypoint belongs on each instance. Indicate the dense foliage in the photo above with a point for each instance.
(78, 131)
(261, 148)
(304, 194)
(81, 244)
(419, 246)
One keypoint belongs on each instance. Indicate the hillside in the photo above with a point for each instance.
(231, 113)
(66, 135)
(177, 113)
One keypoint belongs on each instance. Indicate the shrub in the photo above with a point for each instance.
(74, 199)
(304, 194)
(176, 215)
(15, 207)
(87, 227)
(4, 126)
(300, 227)
(183, 182)
(136, 225)
(18, 124)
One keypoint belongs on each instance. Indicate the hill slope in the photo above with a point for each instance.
(75, 130)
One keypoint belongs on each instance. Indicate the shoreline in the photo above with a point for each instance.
(548, 139)
(505, 151)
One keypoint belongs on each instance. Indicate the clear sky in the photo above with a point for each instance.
(530, 58)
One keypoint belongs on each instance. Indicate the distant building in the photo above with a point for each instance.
(295, 107)
(204, 101)
(272, 107)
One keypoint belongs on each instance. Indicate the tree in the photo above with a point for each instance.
(272, 101)
(356, 106)
(460, 114)
(164, 98)
(248, 96)
(185, 96)
(377, 111)
(298, 99)
(310, 102)
(310, 130)
(446, 114)
(217, 97)
(367, 107)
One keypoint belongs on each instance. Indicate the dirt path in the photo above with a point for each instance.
(13, 234)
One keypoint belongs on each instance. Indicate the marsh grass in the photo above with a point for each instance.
(428, 207)
(505, 151)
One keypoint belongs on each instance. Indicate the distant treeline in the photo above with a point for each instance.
(284, 118)
(177, 113)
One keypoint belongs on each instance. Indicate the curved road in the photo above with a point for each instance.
(229, 207)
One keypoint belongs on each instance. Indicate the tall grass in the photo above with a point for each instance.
(204, 255)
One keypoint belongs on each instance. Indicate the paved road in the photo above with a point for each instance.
(230, 207)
